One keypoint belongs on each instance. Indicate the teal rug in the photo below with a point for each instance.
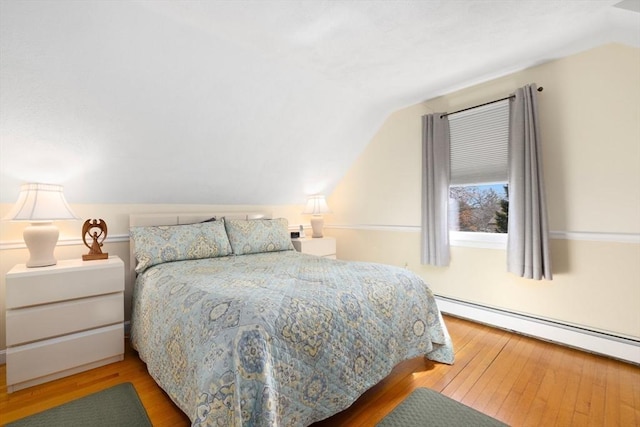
(116, 406)
(425, 407)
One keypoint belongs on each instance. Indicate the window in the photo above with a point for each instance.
(479, 208)
(478, 192)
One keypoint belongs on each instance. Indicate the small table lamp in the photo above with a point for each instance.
(316, 206)
(41, 204)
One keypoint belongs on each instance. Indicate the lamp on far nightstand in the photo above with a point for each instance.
(316, 206)
(41, 204)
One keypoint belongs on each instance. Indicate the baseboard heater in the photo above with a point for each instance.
(617, 347)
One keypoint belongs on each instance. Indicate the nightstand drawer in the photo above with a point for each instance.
(48, 357)
(321, 247)
(52, 320)
(70, 279)
(324, 247)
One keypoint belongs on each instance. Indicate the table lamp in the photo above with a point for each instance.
(316, 206)
(41, 204)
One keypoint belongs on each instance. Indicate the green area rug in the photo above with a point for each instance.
(425, 407)
(116, 406)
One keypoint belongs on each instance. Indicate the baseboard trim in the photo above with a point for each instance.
(614, 346)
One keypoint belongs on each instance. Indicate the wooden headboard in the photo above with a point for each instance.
(143, 220)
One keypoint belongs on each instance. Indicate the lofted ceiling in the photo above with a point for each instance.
(247, 102)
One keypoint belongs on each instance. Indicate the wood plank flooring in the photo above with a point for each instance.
(518, 380)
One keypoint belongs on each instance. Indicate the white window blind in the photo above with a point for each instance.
(479, 144)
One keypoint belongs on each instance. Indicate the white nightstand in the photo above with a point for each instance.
(322, 246)
(63, 319)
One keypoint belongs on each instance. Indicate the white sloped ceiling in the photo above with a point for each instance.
(246, 102)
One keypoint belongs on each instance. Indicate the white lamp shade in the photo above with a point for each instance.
(41, 204)
(316, 205)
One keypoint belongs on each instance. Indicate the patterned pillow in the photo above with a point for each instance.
(258, 235)
(157, 244)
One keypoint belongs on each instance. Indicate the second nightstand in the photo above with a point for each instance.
(323, 246)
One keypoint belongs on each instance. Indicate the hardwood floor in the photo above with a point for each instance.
(518, 380)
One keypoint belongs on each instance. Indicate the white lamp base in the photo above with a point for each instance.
(41, 239)
(317, 222)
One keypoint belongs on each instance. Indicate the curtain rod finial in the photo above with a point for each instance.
(540, 89)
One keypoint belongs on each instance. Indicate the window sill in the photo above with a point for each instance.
(478, 240)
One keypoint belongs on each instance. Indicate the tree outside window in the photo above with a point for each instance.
(479, 208)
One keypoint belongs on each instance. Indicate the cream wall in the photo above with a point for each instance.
(590, 113)
(12, 250)
(590, 123)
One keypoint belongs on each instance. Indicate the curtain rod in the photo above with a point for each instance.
(486, 103)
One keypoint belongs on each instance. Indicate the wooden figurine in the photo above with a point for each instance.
(97, 230)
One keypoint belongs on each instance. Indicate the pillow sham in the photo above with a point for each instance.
(251, 236)
(158, 244)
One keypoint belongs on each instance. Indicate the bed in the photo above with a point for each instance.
(239, 329)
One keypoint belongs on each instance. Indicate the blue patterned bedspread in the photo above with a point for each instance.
(279, 338)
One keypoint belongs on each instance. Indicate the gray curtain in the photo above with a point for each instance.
(435, 190)
(528, 242)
